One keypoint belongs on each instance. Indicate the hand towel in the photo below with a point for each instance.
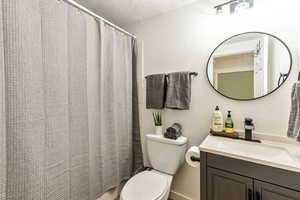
(178, 91)
(155, 91)
(294, 119)
(174, 131)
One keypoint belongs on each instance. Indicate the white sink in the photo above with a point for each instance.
(285, 155)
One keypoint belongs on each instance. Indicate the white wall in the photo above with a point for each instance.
(183, 40)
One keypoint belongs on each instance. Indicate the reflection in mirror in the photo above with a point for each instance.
(249, 66)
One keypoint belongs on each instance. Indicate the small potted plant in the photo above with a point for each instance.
(157, 123)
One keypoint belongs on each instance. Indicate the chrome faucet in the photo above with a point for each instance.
(249, 127)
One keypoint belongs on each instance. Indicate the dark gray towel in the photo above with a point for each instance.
(156, 87)
(174, 131)
(294, 120)
(178, 91)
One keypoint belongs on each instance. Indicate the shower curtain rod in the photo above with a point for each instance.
(84, 9)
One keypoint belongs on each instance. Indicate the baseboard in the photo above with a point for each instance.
(178, 196)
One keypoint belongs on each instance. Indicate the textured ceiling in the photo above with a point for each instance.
(123, 12)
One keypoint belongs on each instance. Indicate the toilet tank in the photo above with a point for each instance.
(166, 155)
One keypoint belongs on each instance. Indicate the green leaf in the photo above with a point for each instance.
(157, 118)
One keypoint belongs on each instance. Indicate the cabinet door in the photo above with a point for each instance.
(266, 191)
(226, 186)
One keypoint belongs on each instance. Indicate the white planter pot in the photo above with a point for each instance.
(158, 130)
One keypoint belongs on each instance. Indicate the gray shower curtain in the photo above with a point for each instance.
(2, 118)
(137, 159)
(66, 103)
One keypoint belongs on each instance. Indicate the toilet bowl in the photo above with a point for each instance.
(147, 185)
(165, 156)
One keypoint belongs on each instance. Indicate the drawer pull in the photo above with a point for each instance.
(250, 194)
(257, 196)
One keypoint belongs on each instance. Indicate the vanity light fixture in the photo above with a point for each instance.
(219, 10)
(234, 6)
(241, 6)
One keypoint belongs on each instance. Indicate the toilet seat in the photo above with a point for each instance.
(147, 185)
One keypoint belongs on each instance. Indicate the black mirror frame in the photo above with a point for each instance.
(288, 74)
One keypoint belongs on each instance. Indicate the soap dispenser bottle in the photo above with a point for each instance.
(229, 126)
(217, 120)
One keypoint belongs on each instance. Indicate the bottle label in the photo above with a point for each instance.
(218, 121)
(228, 125)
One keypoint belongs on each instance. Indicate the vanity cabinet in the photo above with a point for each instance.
(267, 191)
(223, 185)
(224, 178)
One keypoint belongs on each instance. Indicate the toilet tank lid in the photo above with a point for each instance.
(159, 138)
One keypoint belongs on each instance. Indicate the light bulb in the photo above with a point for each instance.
(242, 5)
(219, 10)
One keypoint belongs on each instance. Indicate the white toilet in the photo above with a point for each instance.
(165, 156)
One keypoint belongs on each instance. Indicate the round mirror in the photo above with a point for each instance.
(249, 66)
